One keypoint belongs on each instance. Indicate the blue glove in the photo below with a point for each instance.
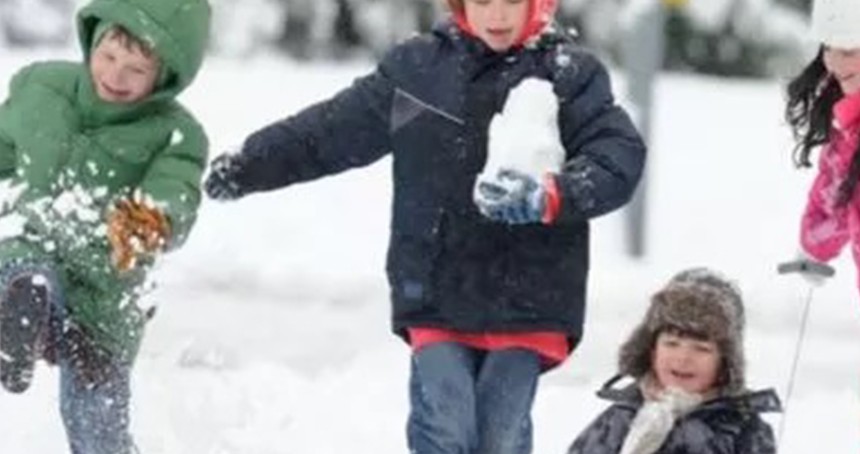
(222, 184)
(511, 197)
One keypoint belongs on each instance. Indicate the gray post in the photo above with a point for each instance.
(642, 57)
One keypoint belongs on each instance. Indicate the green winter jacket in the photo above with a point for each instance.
(69, 156)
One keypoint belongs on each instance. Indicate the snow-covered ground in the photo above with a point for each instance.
(272, 332)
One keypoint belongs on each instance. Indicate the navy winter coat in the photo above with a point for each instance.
(726, 425)
(430, 102)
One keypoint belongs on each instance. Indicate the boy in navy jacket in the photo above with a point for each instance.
(488, 290)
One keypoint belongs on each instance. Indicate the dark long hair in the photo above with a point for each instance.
(809, 112)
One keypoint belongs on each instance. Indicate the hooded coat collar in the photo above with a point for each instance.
(481, 55)
(630, 395)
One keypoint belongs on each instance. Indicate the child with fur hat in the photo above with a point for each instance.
(823, 110)
(689, 395)
(487, 287)
(104, 167)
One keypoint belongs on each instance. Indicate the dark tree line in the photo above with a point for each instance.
(746, 43)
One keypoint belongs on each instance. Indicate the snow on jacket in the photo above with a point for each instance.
(71, 155)
(825, 227)
(724, 425)
(429, 104)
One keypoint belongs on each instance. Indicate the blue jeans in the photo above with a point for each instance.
(95, 413)
(469, 401)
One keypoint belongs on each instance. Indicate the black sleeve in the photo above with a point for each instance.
(349, 130)
(605, 154)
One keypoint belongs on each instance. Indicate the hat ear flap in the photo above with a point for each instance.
(733, 363)
(634, 356)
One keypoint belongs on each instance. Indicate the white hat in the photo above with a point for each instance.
(837, 23)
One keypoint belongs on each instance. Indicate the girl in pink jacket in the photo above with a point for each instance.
(824, 109)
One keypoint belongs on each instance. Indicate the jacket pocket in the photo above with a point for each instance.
(412, 255)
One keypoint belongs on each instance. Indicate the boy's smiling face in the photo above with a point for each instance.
(122, 71)
(498, 23)
(685, 362)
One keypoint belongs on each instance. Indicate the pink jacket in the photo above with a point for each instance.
(825, 228)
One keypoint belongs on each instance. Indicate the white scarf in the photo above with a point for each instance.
(656, 418)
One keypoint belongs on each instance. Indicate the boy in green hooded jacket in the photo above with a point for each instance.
(104, 168)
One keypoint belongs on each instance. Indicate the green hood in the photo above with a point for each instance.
(176, 30)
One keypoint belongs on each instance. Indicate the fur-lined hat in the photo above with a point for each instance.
(697, 301)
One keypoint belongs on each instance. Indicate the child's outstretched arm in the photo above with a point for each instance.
(13, 121)
(605, 154)
(349, 130)
(824, 228)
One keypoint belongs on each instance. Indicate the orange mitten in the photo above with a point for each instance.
(148, 224)
(135, 228)
(119, 237)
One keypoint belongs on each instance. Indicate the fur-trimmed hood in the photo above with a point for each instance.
(698, 301)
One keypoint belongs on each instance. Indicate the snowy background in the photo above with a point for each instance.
(272, 334)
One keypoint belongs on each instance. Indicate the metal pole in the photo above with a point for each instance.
(798, 345)
(642, 56)
(823, 271)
